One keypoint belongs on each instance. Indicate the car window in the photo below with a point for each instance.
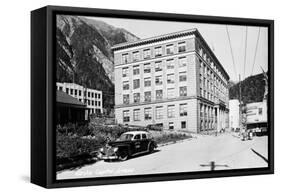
(137, 136)
(143, 136)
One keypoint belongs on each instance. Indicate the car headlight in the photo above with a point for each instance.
(115, 149)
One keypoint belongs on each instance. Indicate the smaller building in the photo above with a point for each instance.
(234, 114)
(69, 109)
(92, 98)
(256, 114)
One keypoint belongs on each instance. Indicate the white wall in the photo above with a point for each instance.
(15, 104)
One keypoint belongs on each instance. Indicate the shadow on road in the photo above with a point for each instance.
(135, 157)
(261, 156)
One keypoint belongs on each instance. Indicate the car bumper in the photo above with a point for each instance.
(104, 157)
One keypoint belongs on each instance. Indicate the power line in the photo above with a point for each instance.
(233, 61)
(256, 51)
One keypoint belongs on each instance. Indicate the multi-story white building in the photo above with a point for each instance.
(234, 114)
(91, 97)
(256, 112)
(173, 80)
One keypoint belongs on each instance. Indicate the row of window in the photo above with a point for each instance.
(158, 66)
(92, 102)
(158, 80)
(78, 92)
(158, 95)
(159, 113)
(208, 59)
(158, 52)
(207, 111)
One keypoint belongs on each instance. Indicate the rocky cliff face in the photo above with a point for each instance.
(84, 55)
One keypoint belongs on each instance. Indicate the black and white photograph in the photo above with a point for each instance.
(144, 97)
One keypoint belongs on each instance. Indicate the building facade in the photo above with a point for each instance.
(174, 81)
(234, 114)
(92, 98)
(256, 112)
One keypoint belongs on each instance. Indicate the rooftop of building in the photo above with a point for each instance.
(64, 98)
(193, 31)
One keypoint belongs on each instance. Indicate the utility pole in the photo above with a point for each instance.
(240, 115)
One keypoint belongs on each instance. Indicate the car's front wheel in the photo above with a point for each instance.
(151, 148)
(123, 155)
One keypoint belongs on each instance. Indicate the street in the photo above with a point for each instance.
(227, 151)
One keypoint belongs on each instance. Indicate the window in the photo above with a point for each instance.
(170, 64)
(80, 93)
(158, 66)
(183, 110)
(136, 83)
(147, 82)
(146, 53)
(126, 85)
(171, 111)
(170, 78)
(98, 96)
(171, 93)
(92, 94)
(71, 91)
(260, 111)
(136, 115)
(182, 76)
(126, 99)
(148, 113)
(170, 49)
(171, 125)
(137, 137)
(125, 58)
(143, 136)
(158, 51)
(147, 96)
(126, 116)
(159, 112)
(136, 97)
(182, 47)
(67, 90)
(159, 94)
(136, 56)
(158, 80)
(98, 103)
(182, 62)
(75, 92)
(183, 124)
(125, 71)
(93, 102)
(147, 68)
(89, 94)
(136, 70)
(183, 91)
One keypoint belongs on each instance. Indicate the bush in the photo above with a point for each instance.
(171, 137)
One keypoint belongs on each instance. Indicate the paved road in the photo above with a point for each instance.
(185, 156)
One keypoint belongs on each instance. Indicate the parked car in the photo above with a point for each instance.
(127, 145)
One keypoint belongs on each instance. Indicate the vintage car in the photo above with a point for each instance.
(127, 145)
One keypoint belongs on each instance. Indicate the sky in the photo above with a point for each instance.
(216, 37)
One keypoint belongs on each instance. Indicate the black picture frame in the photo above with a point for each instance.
(43, 139)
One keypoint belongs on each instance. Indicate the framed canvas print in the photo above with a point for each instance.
(126, 96)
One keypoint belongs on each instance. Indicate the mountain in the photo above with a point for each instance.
(84, 53)
(252, 89)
